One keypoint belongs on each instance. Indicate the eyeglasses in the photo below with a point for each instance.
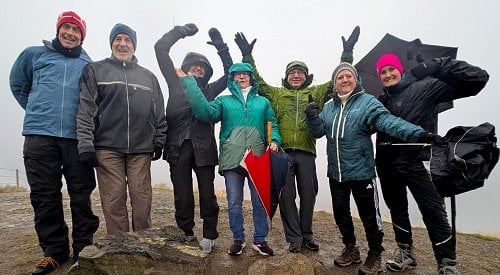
(235, 74)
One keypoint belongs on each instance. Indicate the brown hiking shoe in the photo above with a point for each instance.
(349, 255)
(372, 264)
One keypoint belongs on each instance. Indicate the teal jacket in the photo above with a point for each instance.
(290, 104)
(348, 131)
(243, 124)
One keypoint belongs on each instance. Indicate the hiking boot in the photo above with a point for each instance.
(47, 264)
(207, 245)
(190, 239)
(311, 245)
(295, 247)
(448, 267)
(236, 248)
(349, 255)
(262, 248)
(372, 264)
(401, 259)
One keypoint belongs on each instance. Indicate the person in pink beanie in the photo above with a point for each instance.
(414, 97)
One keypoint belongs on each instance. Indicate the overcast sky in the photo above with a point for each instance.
(285, 30)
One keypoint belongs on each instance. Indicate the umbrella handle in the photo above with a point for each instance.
(269, 132)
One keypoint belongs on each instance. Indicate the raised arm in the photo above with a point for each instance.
(162, 51)
(216, 87)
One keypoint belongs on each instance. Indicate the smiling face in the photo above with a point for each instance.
(243, 79)
(389, 76)
(122, 47)
(345, 82)
(197, 69)
(69, 35)
(296, 78)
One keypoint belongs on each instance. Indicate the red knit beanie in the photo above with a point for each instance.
(389, 59)
(71, 17)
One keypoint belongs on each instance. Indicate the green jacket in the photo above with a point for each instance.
(243, 124)
(290, 105)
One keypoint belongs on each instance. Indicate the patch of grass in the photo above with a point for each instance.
(12, 189)
(487, 236)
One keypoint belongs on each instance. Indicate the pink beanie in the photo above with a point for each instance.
(72, 17)
(389, 59)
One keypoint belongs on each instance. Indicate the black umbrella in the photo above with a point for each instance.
(280, 163)
(407, 51)
(466, 159)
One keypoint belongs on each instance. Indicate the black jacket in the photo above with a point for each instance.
(121, 108)
(181, 122)
(416, 102)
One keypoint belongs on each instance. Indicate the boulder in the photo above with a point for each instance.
(151, 251)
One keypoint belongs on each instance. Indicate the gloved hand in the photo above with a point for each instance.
(425, 68)
(432, 138)
(353, 38)
(189, 29)
(312, 109)
(245, 48)
(89, 159)
(216, 38)
(156, 155)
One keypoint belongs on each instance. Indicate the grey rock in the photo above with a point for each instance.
(151, 251)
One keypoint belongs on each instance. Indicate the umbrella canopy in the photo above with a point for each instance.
(268, 173)
(280, 163)
(407, 51)
(465, 160)
(259, 171)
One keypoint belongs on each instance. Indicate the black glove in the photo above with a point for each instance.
(245, 48)
(217, 41)
(429, 137)
(425, 68)
(312, 109)
(156, 155)
(89, 159)
(189, 29)
(353, 38)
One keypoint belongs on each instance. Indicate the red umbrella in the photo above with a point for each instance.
(259, 171)
(267, 172)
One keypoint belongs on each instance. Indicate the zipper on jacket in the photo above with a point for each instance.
(296, 119)
(337, 141)
(128, 106)
(62, 97)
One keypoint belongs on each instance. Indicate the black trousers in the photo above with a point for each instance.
(394, 181)
(47, 160)
(182, 180)
(297, 224)
(366, 197)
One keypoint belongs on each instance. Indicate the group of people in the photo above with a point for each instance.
(110, 116)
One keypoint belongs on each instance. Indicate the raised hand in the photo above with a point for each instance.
(189, 29)
(216, 39)
(351, 41)
(242, 42)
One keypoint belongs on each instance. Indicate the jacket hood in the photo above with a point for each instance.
(241, 67)
(191, 58)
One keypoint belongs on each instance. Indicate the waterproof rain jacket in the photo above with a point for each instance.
(348, 131)
(416, 101)
(121, 108)
(50, 101)
(243, 123)
(182, 123)
(290, 104)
